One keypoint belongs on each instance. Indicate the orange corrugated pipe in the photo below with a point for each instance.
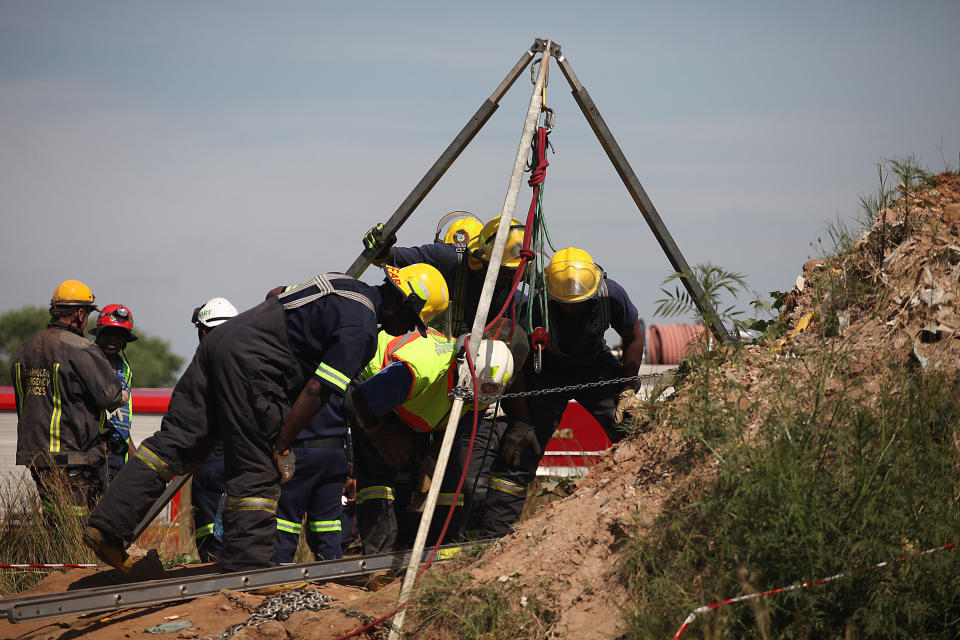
(668, 343)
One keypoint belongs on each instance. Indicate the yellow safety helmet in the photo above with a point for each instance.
(463, 221)
(72, 293)
(481, 247)
(423, 286)
(572, 276)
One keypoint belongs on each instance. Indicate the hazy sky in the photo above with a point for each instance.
(168, 152)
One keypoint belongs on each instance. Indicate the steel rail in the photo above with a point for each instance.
(116, 597)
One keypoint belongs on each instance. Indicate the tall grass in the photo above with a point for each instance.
(30, 535)
(839, 479)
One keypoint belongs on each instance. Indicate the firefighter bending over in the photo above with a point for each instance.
(583, 304)
(255, 383)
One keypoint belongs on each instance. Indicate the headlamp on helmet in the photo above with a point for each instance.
(463, 227)
(117, 316)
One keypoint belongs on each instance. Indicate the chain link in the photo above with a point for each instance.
(464, 393)
(283, 605)
(278, 607)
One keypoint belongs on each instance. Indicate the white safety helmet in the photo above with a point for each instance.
(213, 313)
(494, 367)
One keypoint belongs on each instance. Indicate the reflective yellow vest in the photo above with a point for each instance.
(434, 373)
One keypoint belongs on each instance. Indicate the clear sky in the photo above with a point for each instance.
(169, 152)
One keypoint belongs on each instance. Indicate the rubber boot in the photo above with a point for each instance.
(107, 550)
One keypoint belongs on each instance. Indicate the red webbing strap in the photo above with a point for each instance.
(537, 175)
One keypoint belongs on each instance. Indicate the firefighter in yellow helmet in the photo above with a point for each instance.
(463, 265)
(583, 305)
(255, 383)
(461, 227)
(63, 382)
(399, 411)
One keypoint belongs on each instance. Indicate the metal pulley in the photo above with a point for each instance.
(539, 338)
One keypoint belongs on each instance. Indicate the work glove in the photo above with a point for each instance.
(624, 403)
(286, 463)
(392, 442)
(516, 440)
(374, 240)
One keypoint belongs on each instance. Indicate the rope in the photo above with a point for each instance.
(801, 585)
(538, 175)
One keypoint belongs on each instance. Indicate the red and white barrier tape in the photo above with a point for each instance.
(48, 566)
(802, 585)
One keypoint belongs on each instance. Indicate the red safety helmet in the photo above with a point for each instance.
(116, 315)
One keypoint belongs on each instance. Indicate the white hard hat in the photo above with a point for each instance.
(214, 312)
(494, 367)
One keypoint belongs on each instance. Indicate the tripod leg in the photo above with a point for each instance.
(643, 202)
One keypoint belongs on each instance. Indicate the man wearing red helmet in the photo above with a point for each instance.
(113, 332)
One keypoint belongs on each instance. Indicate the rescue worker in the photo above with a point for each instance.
(400, 407)
(318, 484)
(208, 489)
(582, 304)
(255, 383)
(463, 264)
(463, 259)
(113, 332)
(63, 382)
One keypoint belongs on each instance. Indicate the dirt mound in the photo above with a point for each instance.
(896, 291)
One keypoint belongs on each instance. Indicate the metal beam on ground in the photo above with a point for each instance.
(138, 594)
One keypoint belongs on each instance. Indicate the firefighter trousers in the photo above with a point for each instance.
(316, 489)
(507, 491)
(389, 501)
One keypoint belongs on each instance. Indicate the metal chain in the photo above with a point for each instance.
(580, 387)
(279, 607)
(283, 605)
(461, 392)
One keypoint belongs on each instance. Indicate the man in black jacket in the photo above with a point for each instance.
(63, 382)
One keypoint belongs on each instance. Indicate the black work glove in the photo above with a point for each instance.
(373, 240)
(516, 440)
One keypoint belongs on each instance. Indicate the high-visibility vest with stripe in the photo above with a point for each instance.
(432, 363)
